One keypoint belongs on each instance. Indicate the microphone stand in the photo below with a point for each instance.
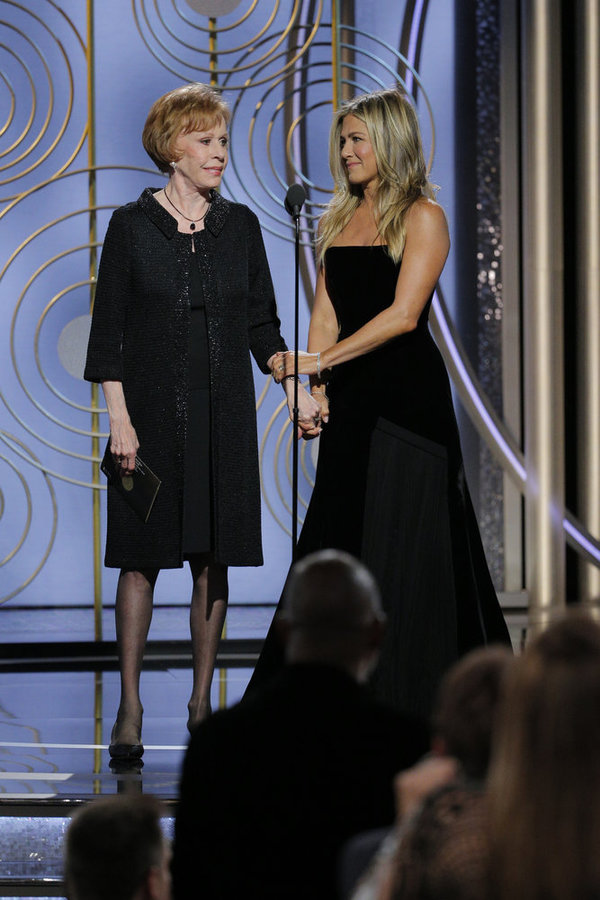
(295, 410)
(294, 201)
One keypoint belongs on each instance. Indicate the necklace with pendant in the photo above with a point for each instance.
(187, 218)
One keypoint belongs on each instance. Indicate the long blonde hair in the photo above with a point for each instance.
(393, 129)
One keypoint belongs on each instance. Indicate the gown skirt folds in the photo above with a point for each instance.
(390, 489)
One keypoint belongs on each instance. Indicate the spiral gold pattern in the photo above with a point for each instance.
(63, 107)
(20, 509)
(41, 133)
(50, 292)
(248, 40)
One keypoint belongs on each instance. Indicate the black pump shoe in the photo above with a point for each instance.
(119, 750)
(124, 752)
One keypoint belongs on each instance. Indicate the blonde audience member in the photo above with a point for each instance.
(440, 800)
(534, 834)
(544, 788)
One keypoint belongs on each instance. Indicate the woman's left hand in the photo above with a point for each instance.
(309, 411)
(283, 364)
(412, 786)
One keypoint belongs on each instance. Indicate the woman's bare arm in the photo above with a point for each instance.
(322, 333)
(425, 252)
(123, 439)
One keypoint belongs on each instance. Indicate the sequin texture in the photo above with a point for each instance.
(139, 335)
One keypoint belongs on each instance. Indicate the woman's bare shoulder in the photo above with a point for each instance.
(426, 213)
(426, 223)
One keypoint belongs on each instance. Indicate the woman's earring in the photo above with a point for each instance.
(173, 165)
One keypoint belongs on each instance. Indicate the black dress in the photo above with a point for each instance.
(140, 335)
(390, 488)
(197, 500)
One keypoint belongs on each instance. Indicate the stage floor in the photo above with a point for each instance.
(58, 700)
(57, 705)
(55, 728)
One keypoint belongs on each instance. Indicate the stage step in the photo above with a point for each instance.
(31, 845)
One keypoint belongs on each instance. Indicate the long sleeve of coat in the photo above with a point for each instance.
(104, 356)
(139, 336)
(264, 335)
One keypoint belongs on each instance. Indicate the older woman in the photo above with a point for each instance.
(184, 295)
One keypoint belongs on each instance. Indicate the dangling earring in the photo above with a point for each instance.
(173, 165)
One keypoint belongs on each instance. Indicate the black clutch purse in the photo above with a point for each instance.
(138, 489)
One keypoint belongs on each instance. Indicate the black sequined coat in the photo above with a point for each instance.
(139, 336)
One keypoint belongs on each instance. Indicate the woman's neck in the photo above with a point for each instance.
(368, 197)
(188, 200)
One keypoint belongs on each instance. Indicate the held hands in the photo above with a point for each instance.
(283, 364)
(319, 395)
(309, 411)
(124, 446)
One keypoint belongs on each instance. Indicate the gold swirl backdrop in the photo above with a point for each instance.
(76, 81)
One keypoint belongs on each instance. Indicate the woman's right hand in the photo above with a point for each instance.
(124, 446)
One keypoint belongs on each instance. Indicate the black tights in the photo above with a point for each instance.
(133, 616)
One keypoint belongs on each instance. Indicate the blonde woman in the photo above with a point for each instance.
(390, 485)
(533, 834)
(544, 785)
(184, 297)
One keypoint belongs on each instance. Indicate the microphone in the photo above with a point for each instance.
(294, 200)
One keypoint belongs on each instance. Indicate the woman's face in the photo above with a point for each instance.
(203, 156)
(357, 152)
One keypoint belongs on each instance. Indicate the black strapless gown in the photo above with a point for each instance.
(390, 488)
